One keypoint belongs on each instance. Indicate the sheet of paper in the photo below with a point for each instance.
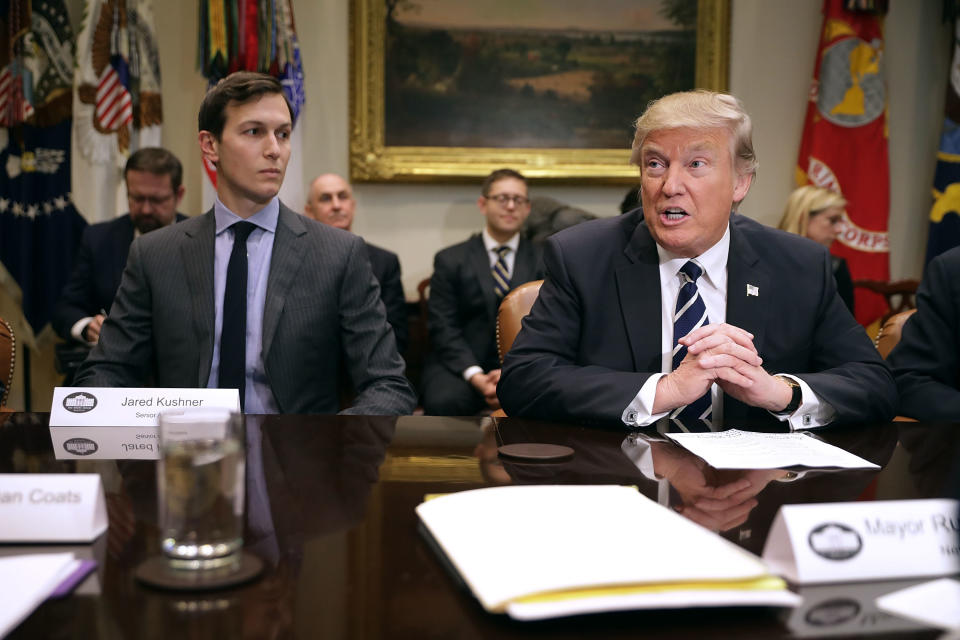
(935, 603)
(557, 538)
(26, 581)
(735, 449)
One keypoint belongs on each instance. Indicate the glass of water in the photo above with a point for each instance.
(200, 481)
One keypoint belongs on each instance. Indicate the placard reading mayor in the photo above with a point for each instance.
(141, 407)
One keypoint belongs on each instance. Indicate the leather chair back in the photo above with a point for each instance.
(514, 306)
(889, 334)
(8, 358)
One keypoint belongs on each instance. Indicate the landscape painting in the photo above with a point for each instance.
(515, 73)
(534, 75)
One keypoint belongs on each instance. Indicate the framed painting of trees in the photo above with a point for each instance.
(450, 90)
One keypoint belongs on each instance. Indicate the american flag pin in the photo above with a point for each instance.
(752, 290)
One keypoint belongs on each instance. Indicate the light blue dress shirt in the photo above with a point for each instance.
(259, 397)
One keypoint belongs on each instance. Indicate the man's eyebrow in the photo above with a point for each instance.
(261, 123)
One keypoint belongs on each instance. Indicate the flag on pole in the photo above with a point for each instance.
(251, 35)
(945, 211)
(39, 226)
(844, 145)
(117, 106)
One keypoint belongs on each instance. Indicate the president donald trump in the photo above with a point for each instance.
(684, 308)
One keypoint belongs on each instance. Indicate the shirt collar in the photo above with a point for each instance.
(492, 244)
(266, 218)
(713, 261)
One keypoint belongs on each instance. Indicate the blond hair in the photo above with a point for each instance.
(700, 109)
(804, 203)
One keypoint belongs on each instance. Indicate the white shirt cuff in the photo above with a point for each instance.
(77, 329)
(639, 413)
(640, 453)
(812, 412)
(469, 372)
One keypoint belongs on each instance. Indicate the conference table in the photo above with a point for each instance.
(344, 557)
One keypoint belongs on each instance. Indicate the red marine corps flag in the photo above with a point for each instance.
(844, 144)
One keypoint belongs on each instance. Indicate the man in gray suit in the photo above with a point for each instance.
(251, 295)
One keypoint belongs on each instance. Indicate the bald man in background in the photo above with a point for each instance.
(331, 202)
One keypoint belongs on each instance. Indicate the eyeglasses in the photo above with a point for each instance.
(504, 198)
(153, 200)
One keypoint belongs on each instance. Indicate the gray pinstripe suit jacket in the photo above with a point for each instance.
(322, 302)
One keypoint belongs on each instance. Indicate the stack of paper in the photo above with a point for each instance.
(735, 449)
(28, 580)
(547, 551)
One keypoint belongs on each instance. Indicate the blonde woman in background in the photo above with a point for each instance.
(817, 213)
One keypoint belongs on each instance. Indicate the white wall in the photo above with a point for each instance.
(772, 54)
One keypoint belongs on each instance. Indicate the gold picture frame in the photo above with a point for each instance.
(372, 160)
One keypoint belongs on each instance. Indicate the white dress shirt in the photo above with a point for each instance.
(712, 285)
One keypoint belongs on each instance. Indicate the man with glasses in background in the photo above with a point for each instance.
(154, 179)
(469, 281)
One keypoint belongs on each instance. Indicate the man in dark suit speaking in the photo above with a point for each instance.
(154, 180)
(331, 202)
(685, 310)
(251, 295)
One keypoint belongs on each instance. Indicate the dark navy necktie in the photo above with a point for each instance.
(690, 314)
(233, 334)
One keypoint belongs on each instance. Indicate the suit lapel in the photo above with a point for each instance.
(638, 289)
(288, 250)
(479, 263)
(524, 269)
(749, 285)
(122, 237)
(196, 252)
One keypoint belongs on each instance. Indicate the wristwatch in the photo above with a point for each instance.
(795, 399)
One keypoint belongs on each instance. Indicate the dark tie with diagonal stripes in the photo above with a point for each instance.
(690, 314)
(233, 333)
(501, 276)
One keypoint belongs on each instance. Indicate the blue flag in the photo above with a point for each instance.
(39, 226)
(945, 212)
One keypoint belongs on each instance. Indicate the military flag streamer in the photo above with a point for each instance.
(117, 105)
(255, 35)
(945, 212)
(39, 226)
(844, 145)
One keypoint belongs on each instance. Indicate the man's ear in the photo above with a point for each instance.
(742, 186)
(209, 146)
(481, 204)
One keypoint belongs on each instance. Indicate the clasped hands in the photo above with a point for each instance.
(718, 500)
(486, 385)
(724, 354)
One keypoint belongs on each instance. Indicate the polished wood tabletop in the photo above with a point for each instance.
(345, 559)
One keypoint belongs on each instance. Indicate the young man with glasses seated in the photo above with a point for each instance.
(469, 281)
(154, 179)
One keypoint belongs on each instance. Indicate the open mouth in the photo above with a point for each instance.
(673, 214)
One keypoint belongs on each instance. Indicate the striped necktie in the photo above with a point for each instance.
(501, 276)
(690, 314)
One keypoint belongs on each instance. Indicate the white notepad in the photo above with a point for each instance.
(26, 581)
(545, 551)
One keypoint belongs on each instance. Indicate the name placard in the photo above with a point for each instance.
(105, 443)
(51, 507)
(851, 541)
(119, 407)
(837, 610)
